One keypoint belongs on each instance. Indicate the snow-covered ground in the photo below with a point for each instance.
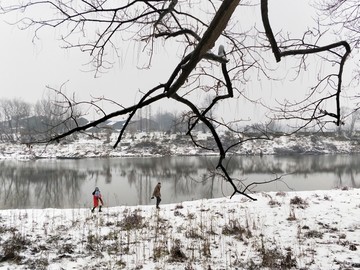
(302, 230)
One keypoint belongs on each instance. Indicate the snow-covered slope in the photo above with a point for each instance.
(302, 230)
(160, 144)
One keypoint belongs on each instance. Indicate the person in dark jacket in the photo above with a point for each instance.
(157, 195)
(97, 200)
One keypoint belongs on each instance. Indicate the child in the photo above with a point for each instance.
(97, 199)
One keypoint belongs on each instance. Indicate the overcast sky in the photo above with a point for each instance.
(27, 68)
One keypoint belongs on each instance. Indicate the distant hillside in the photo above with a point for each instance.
(164, 144)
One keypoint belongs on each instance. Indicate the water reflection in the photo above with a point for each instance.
(130, 181)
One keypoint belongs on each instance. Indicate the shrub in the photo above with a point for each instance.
(93, 241)
(179, 206)
(176, 254)
(280, 193)
(292, 216)
(274, 259)
(192, 233)
(12, 248)
(132, 221)
(313, 234)
(234, 228)
(160, 251)
(66, 249)
(38, 264)
(274, 203)
(299, 202)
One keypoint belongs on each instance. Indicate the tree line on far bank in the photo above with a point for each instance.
(24, 122)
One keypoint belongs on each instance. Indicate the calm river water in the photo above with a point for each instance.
(130, 181)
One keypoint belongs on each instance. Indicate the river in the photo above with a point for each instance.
(68, 183)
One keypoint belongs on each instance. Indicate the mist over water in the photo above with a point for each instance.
(69, 183)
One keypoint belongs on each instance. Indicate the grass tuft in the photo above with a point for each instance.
(12, 248)
(300, 202)
(176, 254)
(132, 221)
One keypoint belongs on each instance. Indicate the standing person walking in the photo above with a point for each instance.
(157, 195)
(97, 200)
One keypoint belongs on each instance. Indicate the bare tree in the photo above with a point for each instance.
(54, 116)
(96, 27)
(12, 116)
(342, 17)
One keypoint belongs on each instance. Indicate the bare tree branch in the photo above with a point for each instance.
(279, 54)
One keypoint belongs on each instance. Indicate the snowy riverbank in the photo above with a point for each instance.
(295, 230)
(160, 144)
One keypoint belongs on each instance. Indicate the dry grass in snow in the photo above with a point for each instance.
(295, 230)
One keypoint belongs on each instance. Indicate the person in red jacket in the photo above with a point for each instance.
(97, 199)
